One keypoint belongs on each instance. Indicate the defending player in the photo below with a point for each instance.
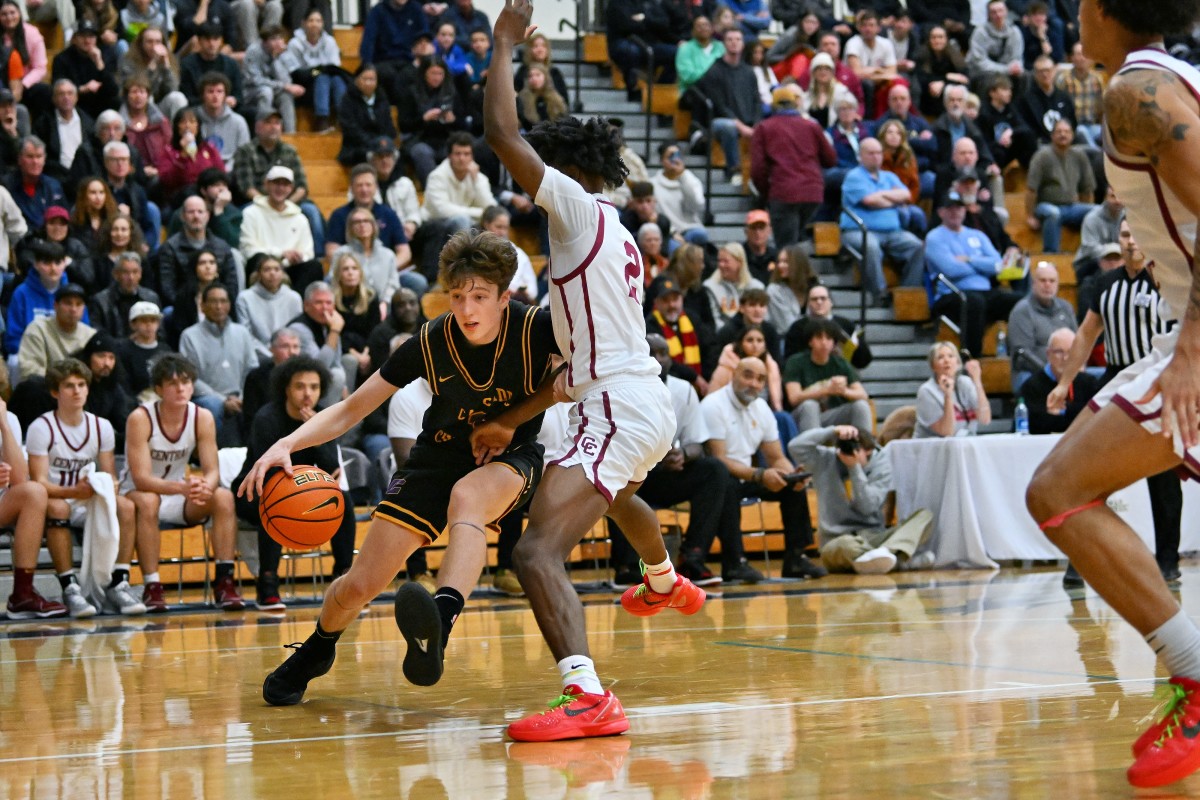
(484, 355)
(160, 438)
(61, 444)
(1147, 419)
(622, 421)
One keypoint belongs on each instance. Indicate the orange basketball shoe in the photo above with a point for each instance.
(1170, 749)
(581, 761)
(574, 715)
(642, 601)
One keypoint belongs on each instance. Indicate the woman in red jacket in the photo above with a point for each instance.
(184, 158)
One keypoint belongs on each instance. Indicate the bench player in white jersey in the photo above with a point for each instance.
(621, 420)
(1147, 419)
(23, 508)
(160, 438)
(61, 443)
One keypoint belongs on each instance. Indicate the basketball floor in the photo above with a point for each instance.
(934, 685)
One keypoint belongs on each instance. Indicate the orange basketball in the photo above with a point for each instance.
(304, 511)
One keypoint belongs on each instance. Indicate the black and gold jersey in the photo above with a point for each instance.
(472, 384)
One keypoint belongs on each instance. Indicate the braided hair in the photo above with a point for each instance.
(591, 146)
(1151, 19)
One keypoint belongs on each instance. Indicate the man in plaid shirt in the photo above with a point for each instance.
(1083, 84)
(267, 149)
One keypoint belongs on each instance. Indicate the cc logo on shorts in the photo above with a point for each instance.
(588, 445)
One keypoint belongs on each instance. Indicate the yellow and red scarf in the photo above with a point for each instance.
(682, 344)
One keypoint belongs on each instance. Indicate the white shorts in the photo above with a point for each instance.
(78, 512)
(618, 432)
(170, 509)
(1132, 383)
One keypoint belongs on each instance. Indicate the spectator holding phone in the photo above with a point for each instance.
(740, 428)
(853, 480)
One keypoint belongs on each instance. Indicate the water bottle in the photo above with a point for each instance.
(1021, 418)
(1001, 344)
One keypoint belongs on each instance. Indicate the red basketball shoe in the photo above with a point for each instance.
(1170, 749)
(642, 601)
(33, 606)
(574, 715)
(581, 761)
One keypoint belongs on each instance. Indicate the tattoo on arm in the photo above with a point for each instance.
(1135, 113)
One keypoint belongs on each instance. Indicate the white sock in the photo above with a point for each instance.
(580, 671)
(662, 576)
(150, 577)
(1177, 643)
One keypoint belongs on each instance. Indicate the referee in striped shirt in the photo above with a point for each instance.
(1125, 308)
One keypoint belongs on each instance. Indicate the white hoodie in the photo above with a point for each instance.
(265, 230)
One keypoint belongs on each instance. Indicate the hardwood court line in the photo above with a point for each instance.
(422, 733)
(927, 661)
(535, 635)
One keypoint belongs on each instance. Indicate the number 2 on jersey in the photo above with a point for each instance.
(633, 270)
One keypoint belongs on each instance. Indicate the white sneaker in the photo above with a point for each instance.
(735, 180)
(875, 562)
(122, 599)
(923, 560)
(77, 605)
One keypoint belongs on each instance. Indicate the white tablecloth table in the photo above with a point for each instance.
(975, 487)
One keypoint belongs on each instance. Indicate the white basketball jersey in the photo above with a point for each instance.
(69, 451)
(1162, 225)
(596, 286)
(168, 456)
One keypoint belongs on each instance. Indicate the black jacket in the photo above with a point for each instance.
(1041, 111)
(109, 309)
(362, 125)
(46, 128)
(80, 69)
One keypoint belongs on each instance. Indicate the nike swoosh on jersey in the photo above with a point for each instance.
(443, 380)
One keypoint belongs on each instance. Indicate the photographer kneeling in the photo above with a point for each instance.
(853, 479)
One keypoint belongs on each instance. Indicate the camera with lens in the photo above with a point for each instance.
(848, 446)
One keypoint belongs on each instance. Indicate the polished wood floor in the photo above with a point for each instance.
(935, 685)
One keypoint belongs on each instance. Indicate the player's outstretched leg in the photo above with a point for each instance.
(421, 625)
(1063, 499)
(383, 553)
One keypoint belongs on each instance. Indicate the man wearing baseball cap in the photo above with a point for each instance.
(686, 344)
(787, 153)
(760, 253)
(137, 353)
(274, 224)
(53, 338)
(268, 149)
(92, 67)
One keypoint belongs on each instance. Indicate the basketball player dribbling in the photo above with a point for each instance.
(1147, 419)
(621, 420)
(486, 353)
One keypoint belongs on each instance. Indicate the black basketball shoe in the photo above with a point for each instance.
(285, 686)
(420, 623)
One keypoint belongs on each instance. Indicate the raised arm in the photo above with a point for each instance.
(500, 126)
(1152, 114)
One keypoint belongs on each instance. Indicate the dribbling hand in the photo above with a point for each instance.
(278, 456)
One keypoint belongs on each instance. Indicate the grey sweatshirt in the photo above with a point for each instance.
(991, 51)
(223, 356)
(264, 313)
(838, 514)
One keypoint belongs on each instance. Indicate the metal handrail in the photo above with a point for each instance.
(649, 51)
(708, 165)
(862, 292)
(577, 27)
(962, 297)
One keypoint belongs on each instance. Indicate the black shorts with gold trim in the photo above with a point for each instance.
(418, 496)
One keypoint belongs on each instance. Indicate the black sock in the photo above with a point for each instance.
(323, 640)
(224, 569)
(118, 575)
(66, 580)
(450, 605)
